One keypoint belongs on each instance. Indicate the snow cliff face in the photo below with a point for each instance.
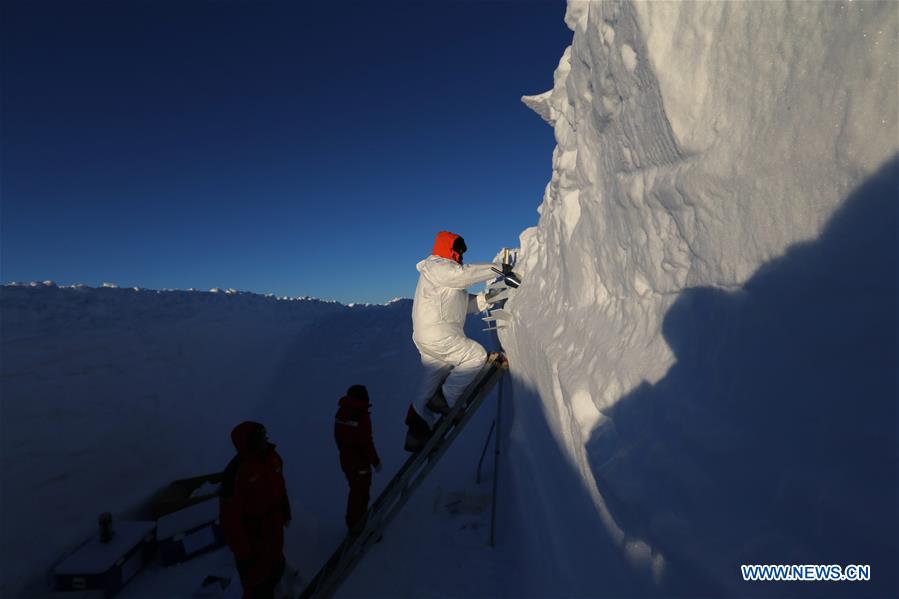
(716, 250)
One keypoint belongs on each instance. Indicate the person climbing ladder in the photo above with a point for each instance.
(450, 359)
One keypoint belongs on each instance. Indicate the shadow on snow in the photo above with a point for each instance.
(773, 438)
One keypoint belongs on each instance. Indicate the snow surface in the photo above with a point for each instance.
(110, 394)
(703, 351)
(708, 320)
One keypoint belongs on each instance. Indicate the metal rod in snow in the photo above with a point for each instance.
(477, 478)
(499, 405)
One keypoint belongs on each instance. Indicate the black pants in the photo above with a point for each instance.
(265, 589)
(357, 502)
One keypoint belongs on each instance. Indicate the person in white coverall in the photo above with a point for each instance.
(439, 309)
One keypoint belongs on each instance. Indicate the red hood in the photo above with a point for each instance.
(242, 434)
(355, 403)
(443, 246)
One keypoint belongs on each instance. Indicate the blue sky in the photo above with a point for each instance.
(277, 147)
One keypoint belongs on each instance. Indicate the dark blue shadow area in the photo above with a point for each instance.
(773, 438)
(369, 345)
(547, 519)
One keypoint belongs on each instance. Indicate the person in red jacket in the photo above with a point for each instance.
(352, 431)
(254, 509)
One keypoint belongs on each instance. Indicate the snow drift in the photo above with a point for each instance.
(708, 322)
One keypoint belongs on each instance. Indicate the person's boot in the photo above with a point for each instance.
(419, 432)
(413, 443)
(438, 403)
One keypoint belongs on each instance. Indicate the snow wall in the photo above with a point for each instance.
(708, 325)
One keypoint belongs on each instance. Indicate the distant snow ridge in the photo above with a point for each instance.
(36, 284)
(697, 143)
(229, 293)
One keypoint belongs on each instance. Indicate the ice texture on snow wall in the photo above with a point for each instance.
(708, 324)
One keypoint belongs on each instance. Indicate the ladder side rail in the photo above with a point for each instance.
(421, 455)
(350, 546)
(439, 432)
(321, 576)
(347, 545)
(414, 461)
(439, 451)
(367, 538)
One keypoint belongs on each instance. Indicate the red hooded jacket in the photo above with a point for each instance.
(253, 505)
(352, 431)
(444, 246)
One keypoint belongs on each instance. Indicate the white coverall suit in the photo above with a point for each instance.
(438, 315)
